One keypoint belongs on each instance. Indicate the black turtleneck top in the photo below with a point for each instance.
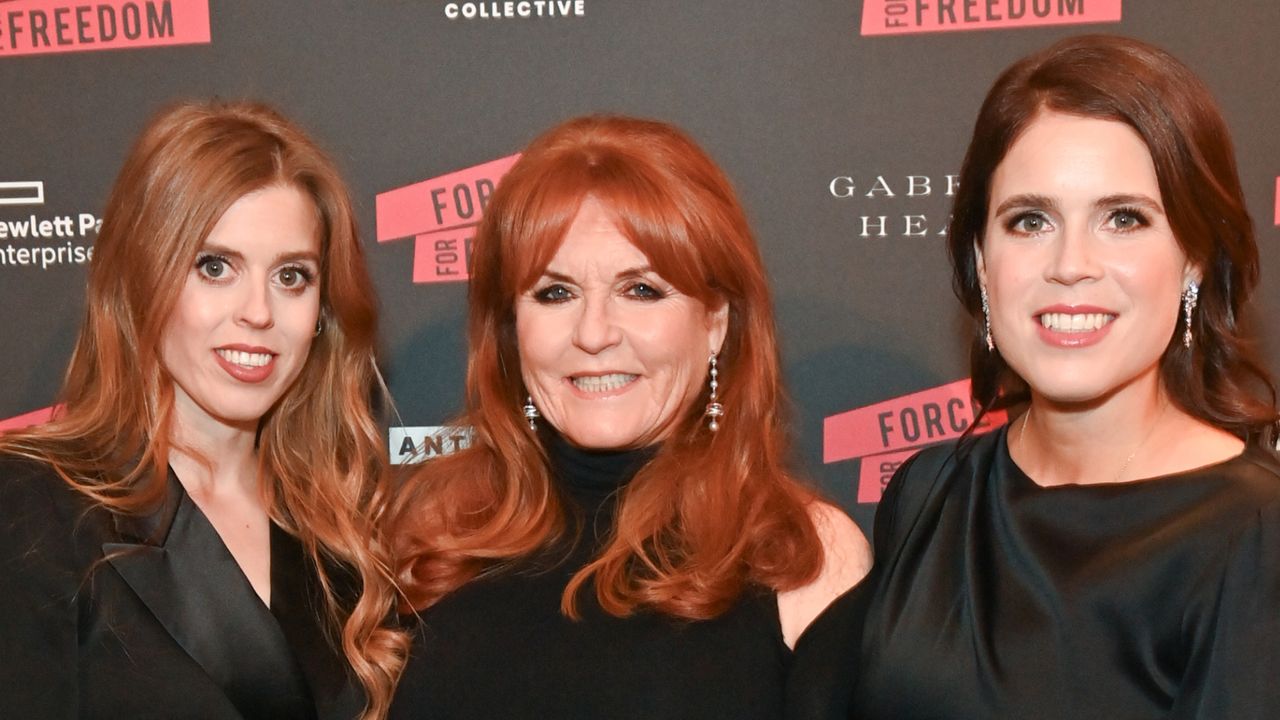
(499, 647)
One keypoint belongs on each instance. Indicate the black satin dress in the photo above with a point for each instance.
(498, 647)
(993, 597)
(149, 616)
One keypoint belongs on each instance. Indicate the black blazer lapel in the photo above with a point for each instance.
(177, 565)
(298, 604)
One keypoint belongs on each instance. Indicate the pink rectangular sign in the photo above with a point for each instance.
(449, 201)
(36, 27)
(35, 417)
(875, 472)
(442, 256)
(898, 17)
(906, 422)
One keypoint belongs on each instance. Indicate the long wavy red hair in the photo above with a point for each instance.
(711, 513)
(320, 453)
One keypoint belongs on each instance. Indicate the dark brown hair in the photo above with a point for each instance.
(711, 512)
(1218, 379)
(320, 453)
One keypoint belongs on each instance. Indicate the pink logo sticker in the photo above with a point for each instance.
(886, 433)
(440, 214)
(37, 27)
(899, 17)
(35, 417)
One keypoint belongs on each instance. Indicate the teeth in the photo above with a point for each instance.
(244, 359)
(602, 383)
(1075, 322)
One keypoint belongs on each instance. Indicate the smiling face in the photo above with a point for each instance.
(243, 324)
(611, 353)
(1083, 272)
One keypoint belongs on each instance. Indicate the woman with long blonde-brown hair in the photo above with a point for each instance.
(189, 534)
(622, 539)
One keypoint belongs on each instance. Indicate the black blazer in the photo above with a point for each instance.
(149, 616)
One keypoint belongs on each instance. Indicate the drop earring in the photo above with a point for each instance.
(986, 318)
(715, 410)
(531, 412)
(1190, 297)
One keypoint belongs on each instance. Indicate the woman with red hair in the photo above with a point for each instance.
(622, 539)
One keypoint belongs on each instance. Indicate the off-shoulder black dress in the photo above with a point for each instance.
(499, 647)
(994, 597)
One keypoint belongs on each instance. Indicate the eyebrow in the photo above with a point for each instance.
(637, 271)
(1129, 199)
(1033, 200)
(302, 255)
(1026, 200)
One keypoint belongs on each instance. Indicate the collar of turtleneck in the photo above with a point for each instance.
(591, 476)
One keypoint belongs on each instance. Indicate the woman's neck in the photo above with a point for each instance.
(594, 472)
(212, 458)
(1061, 443)
(1135, 432)
(217, 464)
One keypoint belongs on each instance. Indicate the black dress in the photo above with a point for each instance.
(149, 616)
(993, 597)
(498, 647)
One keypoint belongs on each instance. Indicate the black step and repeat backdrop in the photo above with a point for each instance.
(842, 122)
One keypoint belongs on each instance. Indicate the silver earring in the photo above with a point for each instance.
(715, 410)
(1190, 297)
(319, 327)
(986, 318)
(531, 412)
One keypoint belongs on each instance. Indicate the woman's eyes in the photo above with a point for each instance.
(558, 293)
(552, 294)
(218, 269)
(295, 277)
(212, 267)
(644, 291)
(1031, 223)
(1124, 219)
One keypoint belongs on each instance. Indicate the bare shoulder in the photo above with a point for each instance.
(846, 560)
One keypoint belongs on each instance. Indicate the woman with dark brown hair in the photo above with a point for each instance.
(1115, 551)
(191, 534)
(622, 539)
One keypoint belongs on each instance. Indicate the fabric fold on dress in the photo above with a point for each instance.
(995, 597)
